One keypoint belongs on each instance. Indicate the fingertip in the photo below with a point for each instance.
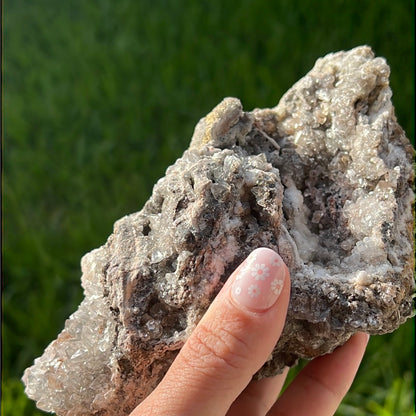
(360, 339)
(259, 281)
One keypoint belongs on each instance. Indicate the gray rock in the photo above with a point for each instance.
(325, 179)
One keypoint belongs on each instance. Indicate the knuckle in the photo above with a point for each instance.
(218, 350)
(326, 389)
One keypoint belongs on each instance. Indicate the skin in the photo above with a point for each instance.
(212, 373)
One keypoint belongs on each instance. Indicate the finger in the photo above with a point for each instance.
(323, 383)
(232, 341)
(259, 396)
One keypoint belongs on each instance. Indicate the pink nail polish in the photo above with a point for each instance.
(260, 280)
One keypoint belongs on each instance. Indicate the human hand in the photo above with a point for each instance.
(212, 373)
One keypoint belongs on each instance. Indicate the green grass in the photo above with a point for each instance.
(100, 97)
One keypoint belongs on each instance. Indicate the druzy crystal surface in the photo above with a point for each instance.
(324, 178)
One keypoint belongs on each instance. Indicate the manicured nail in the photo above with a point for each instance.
(259, 281)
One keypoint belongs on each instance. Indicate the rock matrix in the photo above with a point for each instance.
(324, 178)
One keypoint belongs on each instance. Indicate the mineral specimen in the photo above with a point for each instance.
(325, 179)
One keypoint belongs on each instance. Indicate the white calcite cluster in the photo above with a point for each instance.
(81, 354)
(324, 178)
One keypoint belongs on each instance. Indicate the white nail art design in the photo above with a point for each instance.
(254, 291)
(276, 262)
(260, 280)
(276, 286)
(260, 271)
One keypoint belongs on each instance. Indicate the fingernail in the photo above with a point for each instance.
(259, 281)
(367, 336)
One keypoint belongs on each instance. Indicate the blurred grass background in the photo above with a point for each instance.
(101, 96)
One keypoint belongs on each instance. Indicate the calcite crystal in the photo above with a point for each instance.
(325, 179)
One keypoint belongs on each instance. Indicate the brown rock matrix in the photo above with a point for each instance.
(324, 178)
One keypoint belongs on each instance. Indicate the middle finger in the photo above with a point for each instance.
(259, 396)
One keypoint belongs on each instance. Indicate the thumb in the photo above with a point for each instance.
(231, 342)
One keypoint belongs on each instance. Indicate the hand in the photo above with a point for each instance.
(212, 373)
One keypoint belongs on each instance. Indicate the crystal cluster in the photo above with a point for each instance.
(324, 178)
